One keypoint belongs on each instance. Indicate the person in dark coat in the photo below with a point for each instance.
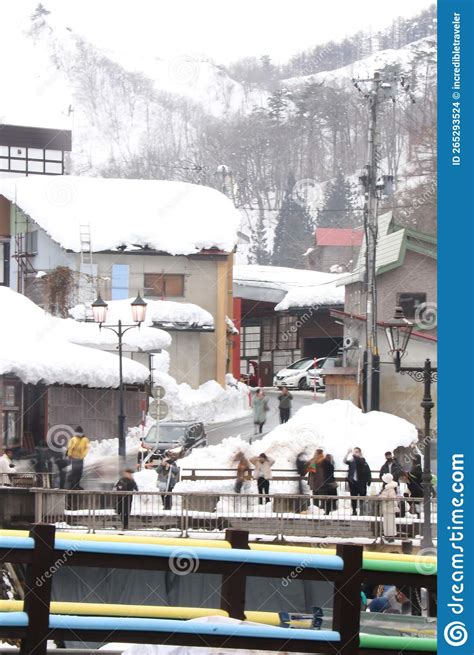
(124, 505)
(284, 404)
(329, 487)
(43, 458)
(316, 476)
(414, 479)
(391, 466)
(358, 475)
(62, 462)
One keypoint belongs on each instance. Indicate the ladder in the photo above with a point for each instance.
(86, 243)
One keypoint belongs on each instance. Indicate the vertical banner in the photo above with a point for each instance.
(455, 319)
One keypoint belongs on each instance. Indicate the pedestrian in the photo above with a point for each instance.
(284, 404)
(243, 471)
(142, 454)
(259, 408)
(358, 476)
(77, 449)
(316, 476)
(302, 469)
(43, 455)
(414, 479)
(391, 466)
(6, 467)
(263, 474)
(389, 507)
(62, 462)
(167, 478)
(124, 505)
(330, 485)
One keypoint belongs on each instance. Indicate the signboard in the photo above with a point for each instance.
(158, 391)
(158, 410)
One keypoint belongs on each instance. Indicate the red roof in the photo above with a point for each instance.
(339, 236)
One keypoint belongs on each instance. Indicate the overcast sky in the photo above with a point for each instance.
(219, 29)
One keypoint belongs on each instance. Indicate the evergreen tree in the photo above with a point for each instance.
(259, 252)
(294, 232)
(339, 195)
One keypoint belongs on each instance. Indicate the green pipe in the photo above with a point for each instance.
(397, 643)
(397, 566)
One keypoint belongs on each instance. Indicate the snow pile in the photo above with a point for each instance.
(279, 277)
(326, 293)
(36, 347)
(164, 312)
(173, 217)
(210, 403)
(298, 288)
(335, 426)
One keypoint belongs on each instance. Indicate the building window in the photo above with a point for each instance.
(164, 285)
(120, 281)
(287, 332)
(410, 302)
(250, 341)
(31, 242)
(269, 333)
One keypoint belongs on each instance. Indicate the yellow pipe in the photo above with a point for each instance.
(162, 612)
(214, 543)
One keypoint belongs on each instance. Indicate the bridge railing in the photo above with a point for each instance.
(276, 515)
(44, 552)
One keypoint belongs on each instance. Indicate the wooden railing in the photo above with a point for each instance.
(44, 552)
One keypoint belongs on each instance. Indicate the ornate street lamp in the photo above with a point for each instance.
(398, 332)
(99, 311)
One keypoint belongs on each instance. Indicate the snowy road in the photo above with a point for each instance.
(244, 427)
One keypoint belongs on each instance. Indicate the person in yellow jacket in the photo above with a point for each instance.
(77, 449)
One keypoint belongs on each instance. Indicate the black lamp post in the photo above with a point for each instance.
(398, 332)
(99, 310)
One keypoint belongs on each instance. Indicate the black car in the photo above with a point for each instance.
(175, 438)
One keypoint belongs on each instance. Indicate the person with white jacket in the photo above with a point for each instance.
(263, 474)
(389, 506)
(6, 467)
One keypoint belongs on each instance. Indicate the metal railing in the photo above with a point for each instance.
(276, 515)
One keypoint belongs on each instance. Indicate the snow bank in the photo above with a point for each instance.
(173, 217)
(326, 293)
(36, 347)
(209, 403)
(158, 311)
(303, 288)
(335, 426)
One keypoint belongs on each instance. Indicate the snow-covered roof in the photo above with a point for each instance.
(38, 347)
(173, 217)
(289, 287)
(165, 313)
(392, 243)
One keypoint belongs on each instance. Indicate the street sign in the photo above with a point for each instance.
(153, 409)
(158, 391)
(163, 410)
(158, 410)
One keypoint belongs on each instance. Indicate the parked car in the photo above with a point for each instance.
(294, 375)
(175, 438)
(317, 373)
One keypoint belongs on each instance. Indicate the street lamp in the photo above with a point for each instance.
(398, 332)
(99, 311)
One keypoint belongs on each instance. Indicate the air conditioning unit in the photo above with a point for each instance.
(349, 342)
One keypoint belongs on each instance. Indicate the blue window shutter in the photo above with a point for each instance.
(120, 281)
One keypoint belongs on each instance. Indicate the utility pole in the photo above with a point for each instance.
(373, 185)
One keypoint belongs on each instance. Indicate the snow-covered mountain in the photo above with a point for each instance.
(179, 118)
